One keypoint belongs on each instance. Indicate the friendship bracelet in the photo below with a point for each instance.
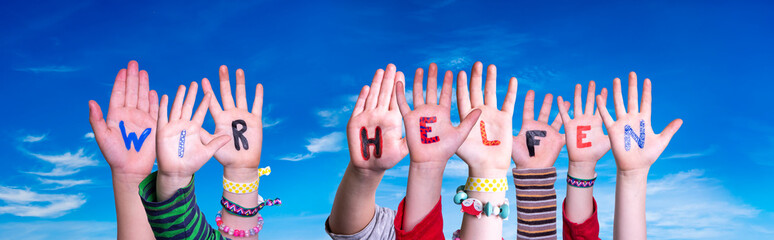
(486, 184)
(235, 209)
(581, 183)
(236, 232)
(475, 207)
(270, 202)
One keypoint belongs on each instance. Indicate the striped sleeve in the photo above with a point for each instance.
(178, 217)
(535, 203)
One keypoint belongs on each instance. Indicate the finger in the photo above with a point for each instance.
(529, 107)
(225, 88)
(545, 110)
(258, 101)
(432, 84)
(214, 105)
(402, 104)
(419, 98)
(490, 87)
(98, 125)
(578, 101)
(446, 89)
(373, 95)
(201, 111)
(163, 118)
(177, 105)
(646, 97)
(620, 110)
(386, 90)
(476, 98)
(241, 93)
(468, 122)
(602, 108)
(510, 97)
(463, 97)
(211, 147)
(142, 96)
(557, 124)
(360, 103)
(153, 99)
(603, 93)
(132, 79)
(393, 97)
(590, 98)
(403, 148)
(189, 102)
(563, 110)
(118, 96)
(670, 131)
(205, 136)
(633, 93)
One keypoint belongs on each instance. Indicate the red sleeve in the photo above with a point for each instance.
(587, 230)
(431, 227)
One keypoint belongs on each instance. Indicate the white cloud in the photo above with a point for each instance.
(297, 157)
(52, 68)
(64, 183)
(65, 164)
(267, 123)
(31, 139)
(26, 203)
(332, 142)
(89, 135)
(691, 155)
(332, 117)
(44, 230)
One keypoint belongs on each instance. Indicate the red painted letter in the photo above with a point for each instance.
(486, 141)
(581, 136)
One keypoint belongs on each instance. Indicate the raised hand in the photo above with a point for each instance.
(244, 148)
(374, 131)
(181, 147)
(538, 144)
(635, 145)
(586, 140)
(487, 148)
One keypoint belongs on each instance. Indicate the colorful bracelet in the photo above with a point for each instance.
(581, 183)
(235, 209)
(264, 171)
(270, 202)
(240, 188)
(475, 207)
(236, 232)
(486, 184)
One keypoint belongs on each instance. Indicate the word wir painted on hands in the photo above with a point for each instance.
(629, 133)
(486, 141)
(424, 129)
(580, 136)
(239, 134)
(365, 142)
(132, 137)
(181, 145)
(532, 142)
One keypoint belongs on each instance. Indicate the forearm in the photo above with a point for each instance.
(579, 204)
(535, 202)
(130, 215)
(630, 193)
(486, 227)
(423, 191)
(246, 200)
(355, 201)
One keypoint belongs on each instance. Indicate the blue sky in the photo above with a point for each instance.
(708, 62)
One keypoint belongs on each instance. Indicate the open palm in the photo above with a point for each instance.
(593, 143)
(548, 142)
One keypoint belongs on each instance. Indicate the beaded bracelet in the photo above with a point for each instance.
(235, 209)
(581, 183)
(475, 207)
(236, 232)
(486, 184)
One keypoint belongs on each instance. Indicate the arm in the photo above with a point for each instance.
(371, 154)
(133, 109)
(431, 139)
(535, 150)
(487, 149)
(586, 144)
(635, 148)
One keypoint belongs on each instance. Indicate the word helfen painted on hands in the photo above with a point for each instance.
(629, 133)
(484, 138)
(532, 141)
(424, 129)
(365, 142)
(580, 136)
(181, 145)
(239, 134)
(132, 137)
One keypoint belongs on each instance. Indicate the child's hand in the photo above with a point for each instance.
(245, 128)
(377, 108)
(430, 135)
(538, 144)
(131, 118)
(487, 148)
(592, 143)
(635, 146)
(181, 148)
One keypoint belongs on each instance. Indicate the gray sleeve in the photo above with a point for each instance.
(380, 227)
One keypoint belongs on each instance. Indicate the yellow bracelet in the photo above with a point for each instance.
(264, 171)
(242, 188)
(486, 184)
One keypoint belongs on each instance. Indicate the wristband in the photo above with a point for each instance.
(581, 183)
(235, 209)
(486, 184)
(475, 207)
(264, 171)
(240, 188)
(236, 232)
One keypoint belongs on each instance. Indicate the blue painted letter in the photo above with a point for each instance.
(132, 137)
(629, 133)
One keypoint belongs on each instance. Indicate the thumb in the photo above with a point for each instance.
(216, 144)
(464, 128)
(403, 148)
(670, 130)
(98, 124)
